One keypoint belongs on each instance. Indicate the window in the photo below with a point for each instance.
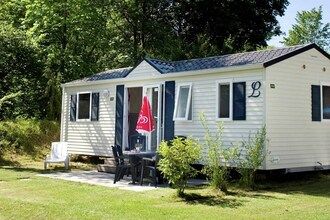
(224, 100)
(231, 100)
(183, 104)
(84, 106)
(326, 102)
(84, 103)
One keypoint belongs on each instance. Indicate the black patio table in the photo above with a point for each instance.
(139, 153)
(135, 158)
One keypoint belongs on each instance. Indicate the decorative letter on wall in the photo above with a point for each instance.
(255, 87)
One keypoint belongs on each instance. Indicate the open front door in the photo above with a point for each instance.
(155, 96)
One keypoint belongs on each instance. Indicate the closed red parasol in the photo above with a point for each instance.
(145, 122)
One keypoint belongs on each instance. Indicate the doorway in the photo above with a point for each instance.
(132, 105)
(133, 102)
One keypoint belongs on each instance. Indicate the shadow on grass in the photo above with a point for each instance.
(250, 194)
(4, 162)
(34, 170)
(233, 198)
(309, 188)
(309, 183)
(210, 200)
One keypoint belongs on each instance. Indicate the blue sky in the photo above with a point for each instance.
(288, 19)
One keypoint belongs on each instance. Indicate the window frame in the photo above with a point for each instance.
(217, 110)
(90, 107)
(327, 84)
(189, 103)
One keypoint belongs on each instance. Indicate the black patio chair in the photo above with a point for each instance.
(149, 166)
(122, 166)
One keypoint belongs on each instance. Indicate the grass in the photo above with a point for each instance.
(25, 195)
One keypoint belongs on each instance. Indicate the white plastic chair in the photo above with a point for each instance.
(59, 154)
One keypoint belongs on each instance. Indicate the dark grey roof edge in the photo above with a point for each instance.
(157, 63)
(109, 72)
(295, 52)
(228, 54)
(151, 61)
(129, 68)
(164, 66)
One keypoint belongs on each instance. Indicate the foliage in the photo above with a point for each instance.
(219, 157)
(65, 40)
(74, 35)
(254, 154)
(27, 136)
(246, 24)
(72, 38)
(176, 160)
(20, 73)
(146, 29)
(309, 29)
(6, 99)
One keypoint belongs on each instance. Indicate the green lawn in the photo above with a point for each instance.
(24, 195)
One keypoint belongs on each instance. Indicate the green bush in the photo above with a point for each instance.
(253, 158)
(219, 159)
(28, 137)
(176, 160)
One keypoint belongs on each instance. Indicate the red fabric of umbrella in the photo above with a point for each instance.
(145, 121)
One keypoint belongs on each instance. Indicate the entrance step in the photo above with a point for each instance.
(110, 161)
(106, 168)
(109, 166)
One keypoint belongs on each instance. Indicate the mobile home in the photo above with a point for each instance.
(286, 89)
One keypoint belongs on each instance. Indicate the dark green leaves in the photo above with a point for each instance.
(52, 42)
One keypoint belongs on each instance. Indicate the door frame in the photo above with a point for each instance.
(160, 115)
(160, 120)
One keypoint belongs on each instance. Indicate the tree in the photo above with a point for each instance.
(7, 98)
(230, 26)
(77, 38)
(309, 29)
(11, 12)
(20, 73)
(73, 39)
(142, 29)
(188, 29)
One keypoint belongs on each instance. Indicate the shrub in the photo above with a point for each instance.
(27, 136)
(176, 160)
(219, 157)
(254, 156)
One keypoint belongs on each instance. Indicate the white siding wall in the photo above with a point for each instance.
(95, 138)
(204, 89)
(92, 137)
(294, 140)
